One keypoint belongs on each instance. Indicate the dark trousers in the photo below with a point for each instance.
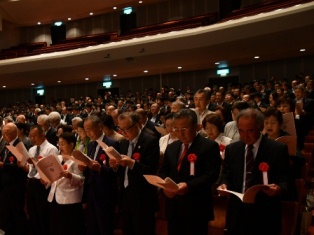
(195, 226)
(12, 214)
(137, 217)
(38, 207)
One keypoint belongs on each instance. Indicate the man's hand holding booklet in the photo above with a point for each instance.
(168, 184)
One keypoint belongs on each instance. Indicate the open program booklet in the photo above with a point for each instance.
(20, 152)
(167, 184)
(49, 168)
(249, 195)
(110, 151)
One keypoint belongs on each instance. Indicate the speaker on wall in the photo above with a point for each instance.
(127, 22)
(58, 33)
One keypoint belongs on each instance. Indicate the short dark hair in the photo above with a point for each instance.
(107, 121)
(69, 137)
(186, 113)
(273, 112)
(240, 105)
(215, 119)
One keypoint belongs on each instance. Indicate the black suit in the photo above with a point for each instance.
(139, 200)
(151, 126)
(101, 192)
(51, 136)
(192, 211)
(264, 216)
(12, 194)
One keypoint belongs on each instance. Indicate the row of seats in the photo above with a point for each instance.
(263, 7)
(95, 39)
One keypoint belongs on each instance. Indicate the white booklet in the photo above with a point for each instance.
(110, 151)
(249, 195)
(79, 157)
(291, 142)
(49, 168)
(168, 184)
(20, 152)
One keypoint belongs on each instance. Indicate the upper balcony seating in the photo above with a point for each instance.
(262, 7)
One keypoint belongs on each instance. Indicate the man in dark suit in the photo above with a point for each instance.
(139, 200)
(101, 189)
(12, 187)
(191, 207)
(147, 125)
(241, 171)
(51, 135)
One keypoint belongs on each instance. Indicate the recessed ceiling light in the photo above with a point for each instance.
(179, 67)
(32, 84)
(140, 2)
(39, 23)
(216, 63)
(302, 50)
(115, 75)
(69, 18)
(4, 86)
(114, 8)
(59, 81)
(86, 79)
(91, 13)
(145, 71)
(256, 57)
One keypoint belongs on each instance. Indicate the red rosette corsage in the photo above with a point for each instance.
(39, 157)
(136, 156)
(11, 159)
(263, 167)
(102, 157)
(65, 167)
(192, 157)
(222, 147)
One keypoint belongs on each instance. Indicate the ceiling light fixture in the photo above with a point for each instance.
(179, 67)
(115, 75)
(86, 79)
(256, 57)
(32, 84)
(69, 18)
(39, 23)
(4, 86)
(91, 13)
(302, 50)
(140, 2)
(59, 81)
(145, 71)
(217, 63)
(114, 8)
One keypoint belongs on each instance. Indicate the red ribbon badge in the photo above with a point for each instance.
(11, 159)
(102, 157)
(222, 147)
(136, 156)
(39, 157)
(263, 167)
(192, 157)
(65, 167)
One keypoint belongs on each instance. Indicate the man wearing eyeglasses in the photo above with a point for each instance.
(193, 163)
(139, 199)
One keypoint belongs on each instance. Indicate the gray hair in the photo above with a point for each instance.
(252, 113)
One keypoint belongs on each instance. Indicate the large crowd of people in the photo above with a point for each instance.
(202, 139)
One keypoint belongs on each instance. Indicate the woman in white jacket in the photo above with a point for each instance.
(66, 193)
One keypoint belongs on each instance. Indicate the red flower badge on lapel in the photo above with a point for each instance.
(39, 157)
(192, 158)
(222, 147)
(102, 158)
(11, 159)
(264, 167)
(136, 156)
(65, 167)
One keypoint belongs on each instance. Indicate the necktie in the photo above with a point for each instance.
(249, 165)
(95, 150)
(6, 152)
(82, 146)
(130, 151)
(186, 147)
(33, 170)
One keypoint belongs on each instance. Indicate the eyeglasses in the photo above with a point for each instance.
(184, 129)
(126, 129)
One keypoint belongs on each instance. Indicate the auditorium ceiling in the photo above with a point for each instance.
(271, 36)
